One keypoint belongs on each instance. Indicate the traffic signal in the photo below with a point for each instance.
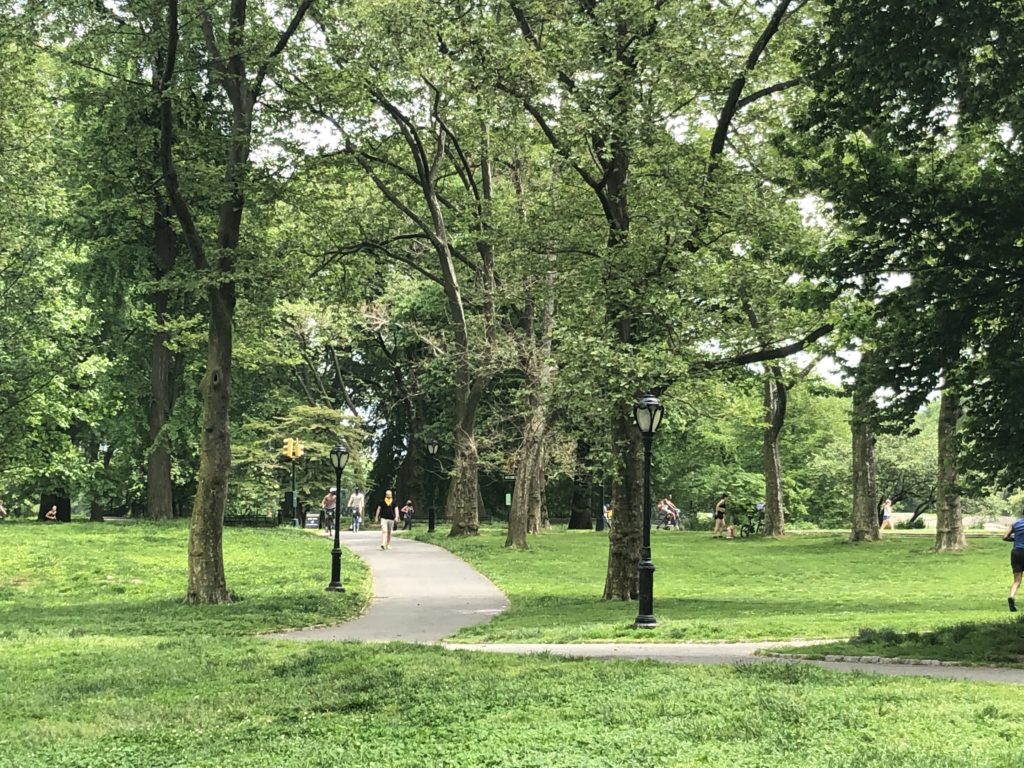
(289, 448)
(296, 449)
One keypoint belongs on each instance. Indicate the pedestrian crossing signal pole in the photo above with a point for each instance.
(292, 450)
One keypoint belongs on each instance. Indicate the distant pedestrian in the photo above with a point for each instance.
(886, 515)
(720, 510)
(388, 514)
(608, 513)
(51, 513)
(1015, 533)
(407, 512)
(3, 510)
(356, 503)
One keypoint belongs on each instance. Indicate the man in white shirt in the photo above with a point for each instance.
(356, 503)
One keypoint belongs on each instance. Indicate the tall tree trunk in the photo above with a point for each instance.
(865, 494)
(949, 524)
(206, 579)
(526, 495)
(463, 508)
(581, 508)
(527, 511)
(411, 478)
(525, 515)
(625, 538)
(159, 486)
(775, 415)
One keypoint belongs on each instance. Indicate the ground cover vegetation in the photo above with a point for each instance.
(106, 666)
(809, 586)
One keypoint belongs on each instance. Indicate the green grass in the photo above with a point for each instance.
(201, 701)
(103, 667)
(804, 586)
(999, 643)
(130, 579)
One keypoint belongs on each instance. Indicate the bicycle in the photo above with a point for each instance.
(668, 521)
(755, 522)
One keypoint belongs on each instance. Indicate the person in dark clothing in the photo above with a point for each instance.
(1016, 534)
(720, 509)
(407, 512)
(387, 512)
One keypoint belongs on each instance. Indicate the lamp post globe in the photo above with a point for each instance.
(648, 412)
(339, 458)
(432, 445)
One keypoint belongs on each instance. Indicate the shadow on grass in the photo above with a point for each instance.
(993, 642)
(726, 607)
(163, 616)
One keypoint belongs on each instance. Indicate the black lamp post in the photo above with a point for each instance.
(339, 457)
(647, 411)
(432, 450)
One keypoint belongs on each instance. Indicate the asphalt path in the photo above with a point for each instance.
(421, 594)
(424, 594)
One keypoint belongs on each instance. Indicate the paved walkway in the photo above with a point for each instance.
(423, 594)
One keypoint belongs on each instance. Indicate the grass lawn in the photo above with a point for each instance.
(102, 666)
(804, 586)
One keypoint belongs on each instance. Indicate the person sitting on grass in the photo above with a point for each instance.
(1015, 533)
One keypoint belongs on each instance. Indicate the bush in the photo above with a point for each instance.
(911, 524)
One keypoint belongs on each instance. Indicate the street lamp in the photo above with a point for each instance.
(432, 450)
(647, 411)
(339, 457)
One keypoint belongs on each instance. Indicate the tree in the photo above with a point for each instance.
(47, 363)
(914, 144)
(239, 68)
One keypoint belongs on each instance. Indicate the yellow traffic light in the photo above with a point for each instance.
(289, 448)
(296, 449)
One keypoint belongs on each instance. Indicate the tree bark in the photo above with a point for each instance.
(526, 495)
(865, 495)
(206, 578)
(463, 508)
(949, 525)
(159, 486)
(582, 506)
(775, 415)
(625, 538)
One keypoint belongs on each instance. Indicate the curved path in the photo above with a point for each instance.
(423, 594)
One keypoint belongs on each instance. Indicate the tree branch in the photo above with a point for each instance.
(746, 101)
(763, 355)
(282, 41)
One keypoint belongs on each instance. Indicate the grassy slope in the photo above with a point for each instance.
(805, 586)
(101, 666)
(93, 579)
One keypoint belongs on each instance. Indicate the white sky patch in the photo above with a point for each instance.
(814, 211)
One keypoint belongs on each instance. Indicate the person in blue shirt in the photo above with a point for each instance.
(1015, 533)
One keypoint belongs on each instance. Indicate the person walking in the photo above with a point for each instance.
(328, 506)
(356, 503)
(720, 509)
(886, 515)
(407, 512)
(388, 514)
(1015, 533)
